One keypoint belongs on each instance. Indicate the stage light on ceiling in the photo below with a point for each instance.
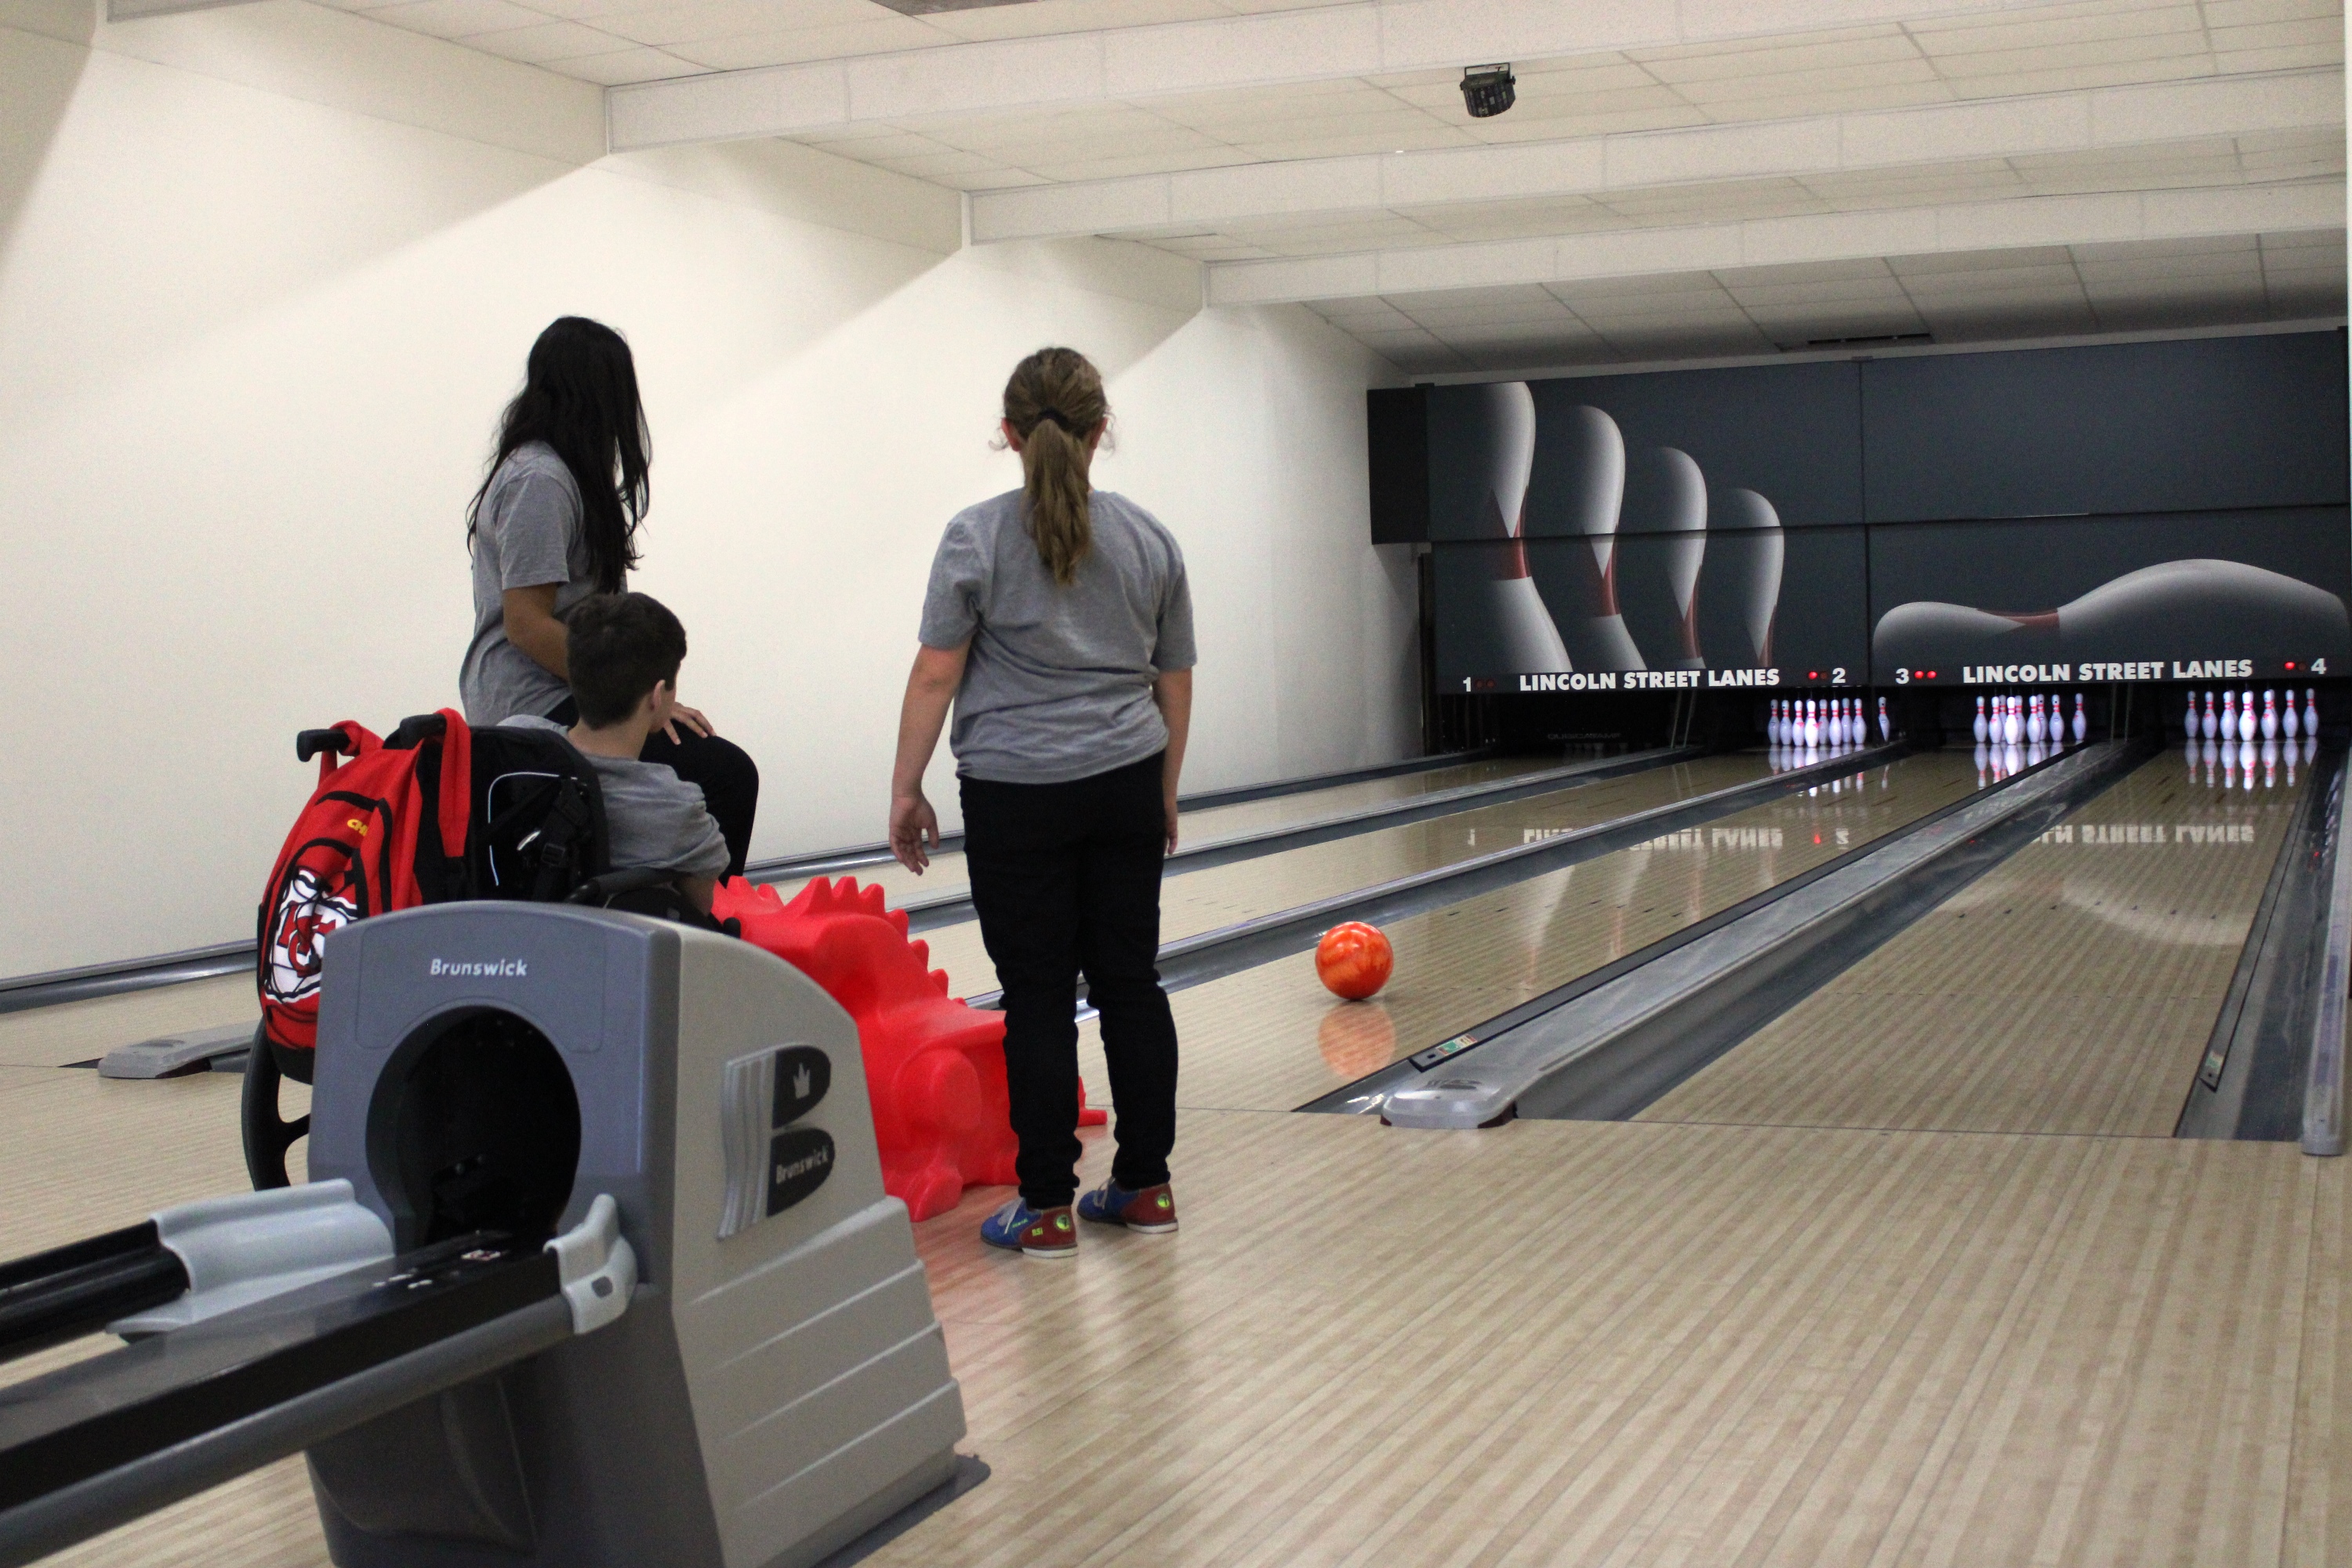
(1487, 90)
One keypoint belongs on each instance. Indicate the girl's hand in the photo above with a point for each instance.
(692, 718)
(1168, 815)
(913, 831)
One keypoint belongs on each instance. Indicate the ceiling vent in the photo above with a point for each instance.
(1877, 340)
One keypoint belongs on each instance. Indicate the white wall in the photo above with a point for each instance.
(268, 273)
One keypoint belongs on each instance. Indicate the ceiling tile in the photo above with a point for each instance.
(624, 66)
(752, 48)
(1867, 48)
(548, 43)
(457, 18)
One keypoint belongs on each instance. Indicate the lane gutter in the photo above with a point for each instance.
(2249, 1085)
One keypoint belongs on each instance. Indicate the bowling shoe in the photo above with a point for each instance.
(1033, 1233)
(1151, 1211)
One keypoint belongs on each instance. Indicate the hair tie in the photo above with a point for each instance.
(1059, 418)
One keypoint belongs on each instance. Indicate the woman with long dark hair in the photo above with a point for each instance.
(555, 521)
(1059, 624)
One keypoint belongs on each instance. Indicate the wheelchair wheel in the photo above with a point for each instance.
(267, 1135)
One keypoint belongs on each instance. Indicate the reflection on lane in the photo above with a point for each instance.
(2070, 989)
(1218, 824)
(1218, 896)
(1271, 1037)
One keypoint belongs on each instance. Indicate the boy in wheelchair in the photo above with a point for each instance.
(524, 810)
(623, 651)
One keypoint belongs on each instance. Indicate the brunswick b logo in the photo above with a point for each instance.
(311, 908)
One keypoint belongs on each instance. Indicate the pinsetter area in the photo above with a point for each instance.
(1175, 784)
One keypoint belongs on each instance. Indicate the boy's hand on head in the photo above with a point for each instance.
(692, 718)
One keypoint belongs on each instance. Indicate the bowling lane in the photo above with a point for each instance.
(1271, 1038)
(1219, 823)
(2072, 989)
(1217, 896)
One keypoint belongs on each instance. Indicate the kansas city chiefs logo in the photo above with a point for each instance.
(308, 912)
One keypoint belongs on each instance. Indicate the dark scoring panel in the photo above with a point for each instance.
(2205, 424)
(1396, 435)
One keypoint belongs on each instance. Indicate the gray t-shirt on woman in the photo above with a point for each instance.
(528, 534)
(1058, 685)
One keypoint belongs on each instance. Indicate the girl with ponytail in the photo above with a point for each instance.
(1059, 624)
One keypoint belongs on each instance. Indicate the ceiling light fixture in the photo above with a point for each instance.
(1487, 90)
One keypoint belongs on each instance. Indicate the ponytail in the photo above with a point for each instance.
(1053, 402)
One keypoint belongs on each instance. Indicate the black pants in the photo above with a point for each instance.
(729, 777)
(1064, 878)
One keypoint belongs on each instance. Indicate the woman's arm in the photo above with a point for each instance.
(930, 688)
(532, 626)
(1172, 690)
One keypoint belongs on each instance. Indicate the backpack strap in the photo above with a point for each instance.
(454, 806)
(457, 801)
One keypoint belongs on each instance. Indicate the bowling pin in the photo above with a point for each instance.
(1813, 723)
(1980, 728)
(2209, 725)
(1772, 723)
(2012, 723)
(1886, 729)
(2290, 721)
(2247, 724)
(2082, 720)
(2228, 716)
(2310, 712)
(2033, 719)
(1521, 635)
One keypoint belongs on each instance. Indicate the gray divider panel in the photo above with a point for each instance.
(770, 1393)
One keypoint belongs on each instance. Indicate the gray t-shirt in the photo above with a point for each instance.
(529, 534)
(1058, 685)
(652, 817)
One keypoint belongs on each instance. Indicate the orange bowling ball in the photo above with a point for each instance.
(1353, 959)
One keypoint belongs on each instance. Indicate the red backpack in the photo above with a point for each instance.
(371, 839)
(431, 811)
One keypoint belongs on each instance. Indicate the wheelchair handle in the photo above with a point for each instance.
(613, 884)
(310, 743)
